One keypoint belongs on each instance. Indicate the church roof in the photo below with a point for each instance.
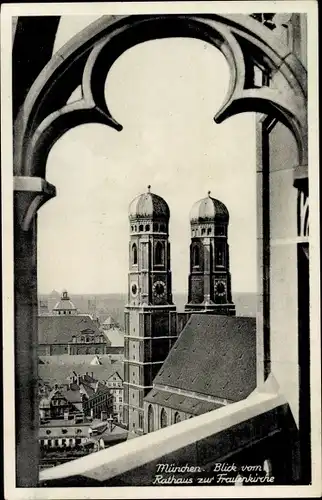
(209, 209)
(215, 356)
(60, 329)
(149, 205)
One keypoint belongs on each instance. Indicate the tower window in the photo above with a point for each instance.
(195, 256)
(132, 229)
(203, 230)
(209, 230)
(134, 254)
(141, 227)
(220, 258)
(159, 253)
(147, 227)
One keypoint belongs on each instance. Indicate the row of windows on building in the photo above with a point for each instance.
(88, 350)
(98, 339)
(157, 228)
(65, 431)
(62, 312)
(164, 420)
(63, 442)
(211, 230)
(219, 255)
(158, 254)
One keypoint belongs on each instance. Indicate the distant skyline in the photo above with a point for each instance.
(165, 93)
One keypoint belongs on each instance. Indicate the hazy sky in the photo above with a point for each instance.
(165, 94)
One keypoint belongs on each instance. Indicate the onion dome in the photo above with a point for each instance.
(209, 210)
(149, 205)
(65, 304)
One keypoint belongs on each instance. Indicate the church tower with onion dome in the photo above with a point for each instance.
(209, 278)
(150, 315)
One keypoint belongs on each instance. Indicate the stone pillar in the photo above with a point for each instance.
(25, 303)
(29, 194)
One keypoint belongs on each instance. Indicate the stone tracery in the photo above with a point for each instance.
(87, 58)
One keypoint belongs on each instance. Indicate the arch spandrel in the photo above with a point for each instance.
(87, 58)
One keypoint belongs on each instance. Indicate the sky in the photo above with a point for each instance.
(165, 93)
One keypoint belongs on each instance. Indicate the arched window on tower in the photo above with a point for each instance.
(177, 418)
(134, 254)
(163, 419)
(159, 253)
(195, 256)
(150, 419)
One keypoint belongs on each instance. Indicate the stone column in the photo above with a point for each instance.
(29, 194)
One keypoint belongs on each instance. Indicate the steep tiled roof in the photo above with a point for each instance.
(60, 329)
(81, 359)
(214, 355)
(52, 373)
(181, 403)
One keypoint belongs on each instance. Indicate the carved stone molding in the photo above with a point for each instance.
(30, 194)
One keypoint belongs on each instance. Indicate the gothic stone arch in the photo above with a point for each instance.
(45, 116)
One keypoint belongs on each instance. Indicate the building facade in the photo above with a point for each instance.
(66, 331)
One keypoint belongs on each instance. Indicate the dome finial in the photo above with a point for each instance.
(209, 193)
(149, 188)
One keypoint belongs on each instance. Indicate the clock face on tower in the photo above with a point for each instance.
(220, 288)
(134, 289)
(159, 289)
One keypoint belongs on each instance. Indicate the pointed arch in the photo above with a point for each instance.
(177, 417)
(163, 418)
(150, 419)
